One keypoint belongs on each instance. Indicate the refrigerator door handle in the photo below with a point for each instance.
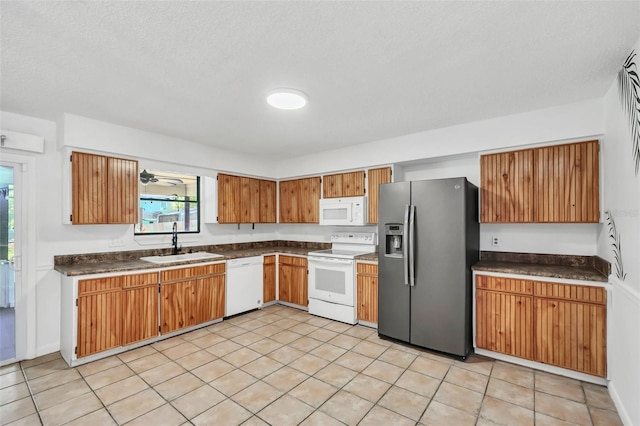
(412, 245)
(405, 246)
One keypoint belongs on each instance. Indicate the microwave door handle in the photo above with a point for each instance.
(405, 246)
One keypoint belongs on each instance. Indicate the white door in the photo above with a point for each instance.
(9, 260)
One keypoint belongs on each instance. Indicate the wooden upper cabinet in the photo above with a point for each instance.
(103, 189)
(122, 191)
(229, 209)
(343, 185)
(250, 200)
(309, 200)
(299, 200)
(289, 200)
(552, 184)
(246, 200)
(267, 201)
(375, 177)
(506, 187)
(566, 184)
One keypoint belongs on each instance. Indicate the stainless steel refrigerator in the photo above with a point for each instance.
(429, 238)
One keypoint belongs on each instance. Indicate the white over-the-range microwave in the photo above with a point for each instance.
(351, 211)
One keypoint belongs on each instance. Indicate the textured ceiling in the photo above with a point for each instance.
(372, 70)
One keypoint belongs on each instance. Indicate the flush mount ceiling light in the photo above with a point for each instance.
(287, 99)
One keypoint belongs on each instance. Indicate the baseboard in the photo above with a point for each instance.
(46, 350)
(622, 412)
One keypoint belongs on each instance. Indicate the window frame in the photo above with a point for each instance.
(198, 202)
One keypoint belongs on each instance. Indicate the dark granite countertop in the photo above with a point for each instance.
(585, 268)
(98, 263)
(369, 257)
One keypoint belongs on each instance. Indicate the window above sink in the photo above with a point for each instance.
(165, 198)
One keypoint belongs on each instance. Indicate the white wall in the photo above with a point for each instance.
(622, 199)
(567, 122)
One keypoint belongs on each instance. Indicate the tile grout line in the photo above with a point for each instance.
(31, 395)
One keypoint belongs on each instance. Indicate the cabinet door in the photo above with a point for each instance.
(504, 323)
(267, 201)
(250, 200)
(299, 286)
(506, 187)
(229, 209)
(88, 188)
(99, 315)
(571, 335)
(367, 279)
(332, 186)
(566, 186)
(269, 279)
(140, 313)
(353, 184)
(178, 303)
(293, 280)
(309, 200)
(210, 298)
(122, 187)
(289, 201)
(374, 179)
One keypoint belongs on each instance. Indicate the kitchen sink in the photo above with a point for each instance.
(199, 255)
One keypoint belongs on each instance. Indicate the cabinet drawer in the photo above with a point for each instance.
(579, 293)
(99, 285)
(367, 269)
(290, 260)
(139, 280)
(510, 285)
(194, 271)
(270, 259)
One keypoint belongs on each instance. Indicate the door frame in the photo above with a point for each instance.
(24, 181)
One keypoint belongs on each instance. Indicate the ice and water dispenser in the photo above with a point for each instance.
(394, 239)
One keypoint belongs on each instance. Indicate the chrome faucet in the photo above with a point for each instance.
(174, 239)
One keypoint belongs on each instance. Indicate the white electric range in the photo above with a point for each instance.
(332, 275)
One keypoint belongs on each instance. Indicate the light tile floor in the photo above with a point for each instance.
(282, 366)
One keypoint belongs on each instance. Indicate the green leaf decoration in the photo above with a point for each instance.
(616, 245)
(629, 91)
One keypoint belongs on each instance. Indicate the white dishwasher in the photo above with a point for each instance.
(244, 285)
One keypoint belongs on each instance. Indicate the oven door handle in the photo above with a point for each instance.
(331, 260)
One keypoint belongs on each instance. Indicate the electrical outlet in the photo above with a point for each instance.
(116, 243)
(495, 241)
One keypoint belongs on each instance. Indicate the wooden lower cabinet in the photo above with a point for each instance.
(99, 315)
(178, 305)
(571, 335)
(210, 298)
(116, 311)
(367, 297)
(197, 299)
(504, 323)
(139, 307)
(563, 325)
(293, 280)
(269, 279)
